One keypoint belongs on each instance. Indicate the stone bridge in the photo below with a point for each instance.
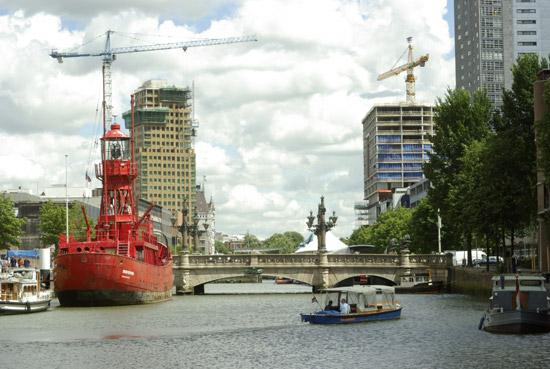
(320, 270)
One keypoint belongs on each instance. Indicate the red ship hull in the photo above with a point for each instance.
(101, 279)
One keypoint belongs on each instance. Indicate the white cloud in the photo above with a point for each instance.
(280, 118)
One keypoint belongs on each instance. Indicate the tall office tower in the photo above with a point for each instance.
(491, 34)
(395, 145)
(164, 134)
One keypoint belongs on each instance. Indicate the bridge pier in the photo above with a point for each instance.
(321, 278)
(182, 276)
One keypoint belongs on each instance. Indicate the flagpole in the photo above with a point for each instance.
(66, 200)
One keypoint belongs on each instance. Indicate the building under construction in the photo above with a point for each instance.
(164, 152)
(395, 144)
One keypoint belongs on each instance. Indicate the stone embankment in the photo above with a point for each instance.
(476, 281)
(470, 281)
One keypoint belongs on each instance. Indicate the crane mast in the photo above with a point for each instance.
(409, 68)
(109, 54)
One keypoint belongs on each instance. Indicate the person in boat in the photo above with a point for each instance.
(27, 263)
(330, 306)
(344, 307)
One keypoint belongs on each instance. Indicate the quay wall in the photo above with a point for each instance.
(470, 281)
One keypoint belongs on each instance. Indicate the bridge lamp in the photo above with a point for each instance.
(310, 220)
(173, 219)
(332, 220)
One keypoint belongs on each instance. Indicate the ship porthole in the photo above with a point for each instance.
(78, 249)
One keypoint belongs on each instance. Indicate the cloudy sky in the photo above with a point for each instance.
(280, 119)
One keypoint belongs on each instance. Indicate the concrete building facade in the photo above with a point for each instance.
(395, 146)
(164, 152)
(491, 34)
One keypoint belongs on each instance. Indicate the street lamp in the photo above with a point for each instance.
(184, 227)
(206, 238)
(173, 219)
(195, 229)
(322, 227)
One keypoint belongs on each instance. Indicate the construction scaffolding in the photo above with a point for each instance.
(146, 116)
(174, 95)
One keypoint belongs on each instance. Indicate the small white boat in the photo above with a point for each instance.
(519, 304)
(418, 282)
(21, 292)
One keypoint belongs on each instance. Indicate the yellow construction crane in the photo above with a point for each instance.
(409, 66)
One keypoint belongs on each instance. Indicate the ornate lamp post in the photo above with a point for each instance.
(322, 227)
(206, 238)
(195, 229)
(184, 227)
(173, 219)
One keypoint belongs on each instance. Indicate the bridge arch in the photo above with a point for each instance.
(366, 280)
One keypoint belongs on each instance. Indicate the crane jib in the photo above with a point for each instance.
(154, 47)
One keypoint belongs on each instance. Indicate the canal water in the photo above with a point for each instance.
(220, 330)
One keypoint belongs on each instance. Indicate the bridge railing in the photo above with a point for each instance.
(313, 259)
(432, 260)
(205, 260)
(350, 259)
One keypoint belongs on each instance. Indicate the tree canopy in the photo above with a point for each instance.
(394, 223)
(286, 242)
(10, 225)
(52, 222)
(483, 167)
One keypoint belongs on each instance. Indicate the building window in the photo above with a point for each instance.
(526, 11)
(526, 33)
(527, 21)
(524, 43)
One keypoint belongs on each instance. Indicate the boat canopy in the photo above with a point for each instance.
(367, 290)
(23, 254)
(360, 298)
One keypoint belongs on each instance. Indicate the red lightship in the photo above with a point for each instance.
(124, 263)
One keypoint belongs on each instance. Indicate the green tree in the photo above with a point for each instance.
(77, 224)
(295, 237)
(222, 248)
(543, 134)
(251, 242)
(459, 119)
(52, 222)
(358, 236)
(510, 162)
(286, 242)
(10, 225)
(423, 228)
(394, 223)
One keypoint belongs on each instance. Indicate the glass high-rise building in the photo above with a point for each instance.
(491, 34)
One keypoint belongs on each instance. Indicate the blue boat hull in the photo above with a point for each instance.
(334, 317)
